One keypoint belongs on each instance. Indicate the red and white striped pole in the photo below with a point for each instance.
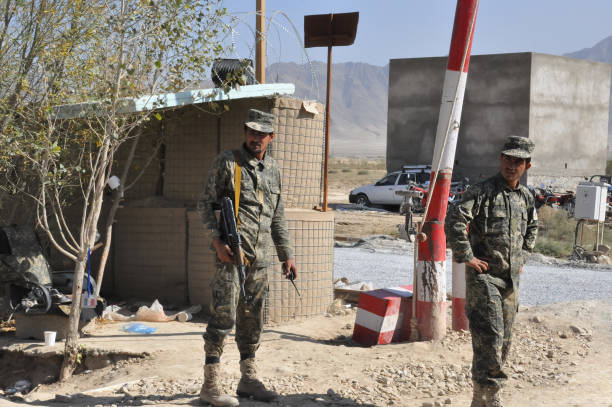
(431, 266)
(460, 321)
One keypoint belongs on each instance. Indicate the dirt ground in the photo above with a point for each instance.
(561, 356)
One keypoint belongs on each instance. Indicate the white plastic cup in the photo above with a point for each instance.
(50, 338)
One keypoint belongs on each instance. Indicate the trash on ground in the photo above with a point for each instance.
(21, 386)
(349, 292)
(138, 328)
(337, 308)
(154, 313)
(7, 326)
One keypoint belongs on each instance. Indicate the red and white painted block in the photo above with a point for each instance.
(460, 321)
(381, 316)
(402, 329)
(377, 317)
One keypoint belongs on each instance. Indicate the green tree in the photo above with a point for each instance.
(103, 61)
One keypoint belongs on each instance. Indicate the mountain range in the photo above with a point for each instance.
(358, 109)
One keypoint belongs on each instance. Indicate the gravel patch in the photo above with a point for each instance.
(385, 263)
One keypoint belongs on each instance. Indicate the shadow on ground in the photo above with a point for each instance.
(183, 399)
(340, 340)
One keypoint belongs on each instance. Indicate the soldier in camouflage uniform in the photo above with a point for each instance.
(261, 219)
(502, 231)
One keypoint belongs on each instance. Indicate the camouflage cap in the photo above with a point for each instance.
(260, 121)
(516, 146)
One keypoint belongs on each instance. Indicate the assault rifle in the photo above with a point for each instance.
(229, 230)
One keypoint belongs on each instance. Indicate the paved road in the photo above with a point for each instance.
(540, 284)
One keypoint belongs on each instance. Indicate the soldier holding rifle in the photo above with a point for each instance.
(251, 178)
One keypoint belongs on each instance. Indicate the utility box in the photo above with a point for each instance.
(591, 201)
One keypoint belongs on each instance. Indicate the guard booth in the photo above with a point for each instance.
(160, 247)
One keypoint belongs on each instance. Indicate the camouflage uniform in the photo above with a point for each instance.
(262, 219)
(502, 230)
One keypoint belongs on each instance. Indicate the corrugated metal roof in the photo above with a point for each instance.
(170, 100)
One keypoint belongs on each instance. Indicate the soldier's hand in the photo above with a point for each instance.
(477, 264)
(224, 252)
(290, 269)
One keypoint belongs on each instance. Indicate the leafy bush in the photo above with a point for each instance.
(346, 170)
(363, 172)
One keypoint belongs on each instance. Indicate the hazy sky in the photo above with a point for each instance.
(410, 28)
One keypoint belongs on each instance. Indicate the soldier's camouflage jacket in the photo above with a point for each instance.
(502, 227)
(261, 211)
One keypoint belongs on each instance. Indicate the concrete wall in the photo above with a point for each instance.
(554, 100)
(415, 91)
(568, 117)
(496, 105)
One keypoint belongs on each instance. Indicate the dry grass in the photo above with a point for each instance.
(341, 163)
(557, 230)
(349, 173)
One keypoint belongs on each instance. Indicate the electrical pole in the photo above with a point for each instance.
(260, 42)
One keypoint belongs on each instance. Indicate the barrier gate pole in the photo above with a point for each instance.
(431, 288)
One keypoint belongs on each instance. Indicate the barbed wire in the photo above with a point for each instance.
(281, 31)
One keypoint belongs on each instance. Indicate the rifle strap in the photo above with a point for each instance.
(237, 182)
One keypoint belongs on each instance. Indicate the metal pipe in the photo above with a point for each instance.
(414, 322)
(260, 42)
(327, 103)
(597, 237)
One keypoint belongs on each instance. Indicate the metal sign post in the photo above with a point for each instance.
(328, 30)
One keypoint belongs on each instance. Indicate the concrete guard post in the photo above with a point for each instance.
(431, 265)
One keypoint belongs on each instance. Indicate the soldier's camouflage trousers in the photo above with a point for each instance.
(228, 307)
(490, 306)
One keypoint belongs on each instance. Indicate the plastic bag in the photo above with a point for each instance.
(111, 313)
(21, 386)
(155, 313)
(138, 328)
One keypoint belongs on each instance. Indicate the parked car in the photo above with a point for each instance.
(415, 177)
(383, 191)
